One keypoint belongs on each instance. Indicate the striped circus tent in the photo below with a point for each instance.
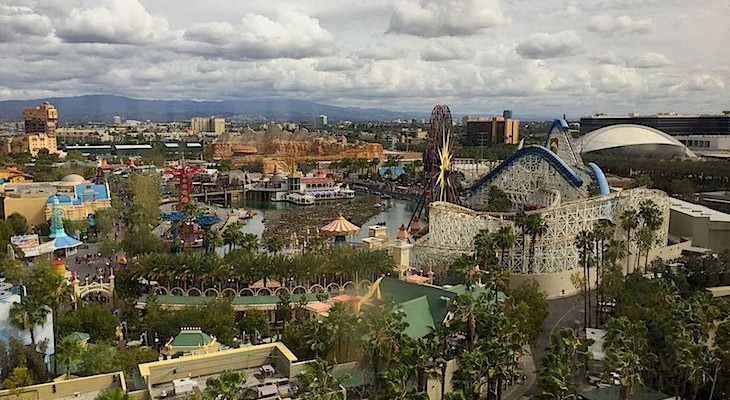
(340, 227)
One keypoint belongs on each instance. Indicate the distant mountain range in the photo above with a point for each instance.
(98, 108)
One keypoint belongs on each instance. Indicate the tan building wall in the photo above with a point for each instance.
(77, 213)
(40, 128)
(68, 389)
(207, 124)
(276, 354)
(40, 141)
(704, 226)
(32, 207)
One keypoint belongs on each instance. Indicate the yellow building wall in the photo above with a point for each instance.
(41, 141)
(67, 389)
(276, 354)
(77, 213)
(31, 207)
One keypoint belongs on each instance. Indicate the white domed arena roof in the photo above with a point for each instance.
(73, 178)
(633, 139)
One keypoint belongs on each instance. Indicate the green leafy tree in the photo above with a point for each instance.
(626, 358)
(319, 383)
(560, 364)
(69, 352)
(18, 379)
(98, 359)
(18, 223)
(498, 200)
(529, 307)
(116, 394)
(228, 386)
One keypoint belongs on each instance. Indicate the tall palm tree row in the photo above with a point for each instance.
(584, 243)
(244, 266)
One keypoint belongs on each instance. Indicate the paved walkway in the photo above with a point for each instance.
(530, 371)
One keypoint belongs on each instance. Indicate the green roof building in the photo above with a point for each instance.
(191, 340)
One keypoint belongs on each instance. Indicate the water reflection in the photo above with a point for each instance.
(394, 213)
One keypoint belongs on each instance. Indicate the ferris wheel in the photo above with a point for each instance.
(440, 181)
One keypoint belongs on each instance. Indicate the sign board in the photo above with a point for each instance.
(25, 242)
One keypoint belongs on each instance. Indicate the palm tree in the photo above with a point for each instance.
(536, 227)
(27, 314)
(230, 236)
(422, 355)
(319, 336)
(319, 383)
(474, 373)
(651, 221)
(212, 240)
(467, 309)
(68, 352)
(629, 221)
(603, 232)
(584, 243)
(522, 221)
(385, 332)
(249, 242)
(505, 239)
(229, 386)
(627, 358)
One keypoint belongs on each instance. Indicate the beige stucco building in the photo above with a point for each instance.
(40, 128)
(704, 226)
(77, 198)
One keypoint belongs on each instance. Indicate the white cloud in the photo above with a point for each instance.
(615, 79)
(291, 35)
(550, 45)
(608, 57)
(699, 83)
(21, 24)
(621, 25)
(114, 21)
(647, 60)
(445, 51)
(503, 55)
(429, 18)
(643, 60)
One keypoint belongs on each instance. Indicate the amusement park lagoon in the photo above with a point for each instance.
(365, 210)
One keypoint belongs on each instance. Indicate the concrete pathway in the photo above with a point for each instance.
(529, 369)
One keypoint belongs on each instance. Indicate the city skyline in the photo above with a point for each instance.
(477, 56)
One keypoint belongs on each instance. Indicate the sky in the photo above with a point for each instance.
(536, 57)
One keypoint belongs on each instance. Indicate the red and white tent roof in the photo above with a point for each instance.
(341, 226)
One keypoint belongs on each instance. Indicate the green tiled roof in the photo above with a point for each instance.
(192, 339)
(418, 316)
(438, 299)
(612, 392)
(77, 337)
(461, 289)
(240, 300)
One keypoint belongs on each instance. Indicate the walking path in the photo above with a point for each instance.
(517, 391)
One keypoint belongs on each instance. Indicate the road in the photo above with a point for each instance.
(563, 312)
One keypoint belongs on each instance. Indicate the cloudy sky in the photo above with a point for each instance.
(537, 57)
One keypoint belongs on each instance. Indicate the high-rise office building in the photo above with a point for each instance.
(321, 121)
(208, 125)
(486, 131)
(117, 120)
(40, 128)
